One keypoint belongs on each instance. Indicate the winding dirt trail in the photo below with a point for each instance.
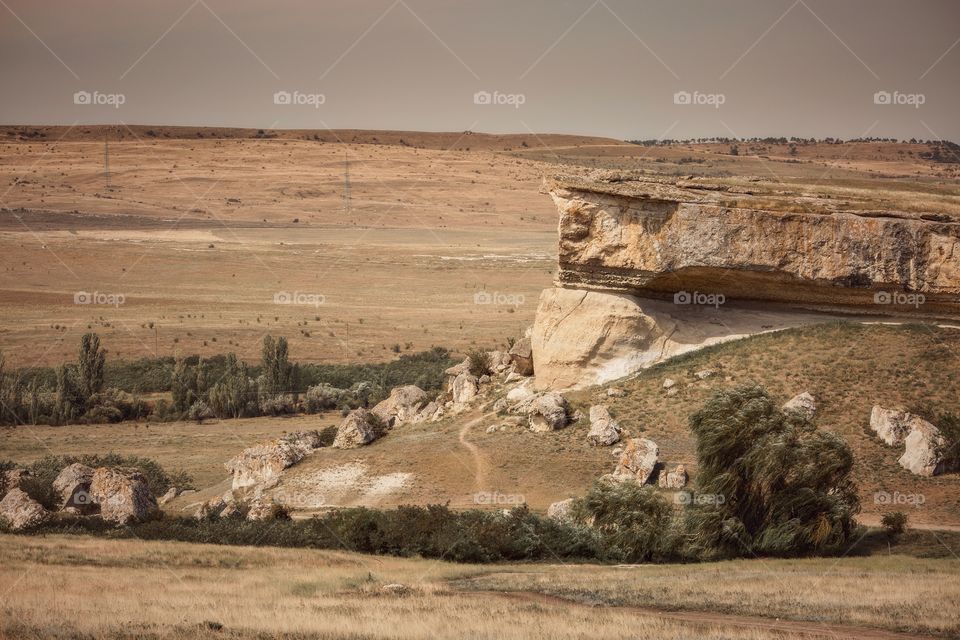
(708, 619)
(480, 463)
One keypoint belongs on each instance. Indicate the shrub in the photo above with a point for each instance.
(782, 486)
(636, 524)
(324, 397)
(480, 363)
(894, 524)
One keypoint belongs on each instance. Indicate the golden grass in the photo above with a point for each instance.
(67, 586)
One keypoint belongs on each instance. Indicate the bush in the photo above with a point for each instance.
(324, 397)
(894, 524)
(635, 523)
(480, 363)
(781, 487)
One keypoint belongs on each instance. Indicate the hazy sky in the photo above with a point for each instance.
(605, 67)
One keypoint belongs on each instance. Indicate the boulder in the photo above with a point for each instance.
(519, 393)
(171, 493)
(72, 484)
(521, 353)
(395, 589)
(703, 374)
(122, 494)
(464, 388)
(20, 511)
(561, 511)
(615, 392)
(669, 383)
(638, 460)
(923, 450)
(264, 463)
(431, 411)
(604, 430)
(457, 369)
(546, 411)
(403, 405)
(803, 403)
(676, 479)
(261, 508)
(360, 427)
(892, 425)
(212, 508)
(12, 479)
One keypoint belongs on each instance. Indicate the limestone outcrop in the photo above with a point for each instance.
(20, 511)
(924, 446)
(604, 430)
(403, 405)
(638, 460)
(73, 486)
(649, 269)
(262, 464)
(122, 494)
(360, 427)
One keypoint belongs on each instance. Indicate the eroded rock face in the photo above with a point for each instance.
(547, 411)
(561, 511)
(676, 479)
(892, 425)
(604, 430)
(122, 494)
(73, 486)
(20, 511)
(638, 460)
(656, 239)
(522, 356)
(803, 403)
(360, 427)
(262, 464)
(923, 450)
(402, 406)
(464, 388)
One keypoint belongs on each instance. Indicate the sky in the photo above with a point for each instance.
(629, 69)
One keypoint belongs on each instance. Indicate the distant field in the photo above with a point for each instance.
(175, 590)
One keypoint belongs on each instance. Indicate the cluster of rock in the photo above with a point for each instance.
(923, 444)
(262, 464)
(119, 495)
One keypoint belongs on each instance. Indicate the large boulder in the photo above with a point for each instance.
(432, 411)
(360, 427)
(638, 459)
(12, 478)
(72, 484)
(403, 405)
(262, 464)
(604, 430)
(546, 411)
(464, 388)
(521, 353)
(923, 450)
(803, 403)
(561, 511)
(122, 494)
(20, 511)
(892, 425)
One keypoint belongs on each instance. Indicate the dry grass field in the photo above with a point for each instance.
(75, 587)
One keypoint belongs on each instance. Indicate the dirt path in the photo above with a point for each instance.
(708, 619)
(479, 462)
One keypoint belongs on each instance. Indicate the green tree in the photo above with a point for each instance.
(90, 364)
(70, 401)
(277, 370)
(230, 397)
(181, 384)
(769, 482)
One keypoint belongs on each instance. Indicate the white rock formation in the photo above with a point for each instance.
(20, 511)
(604, 430)
(561, 511)
(547, 411)
(360, 427)
(803, 403)
(122, 494)
(403, 405)
(638, 460)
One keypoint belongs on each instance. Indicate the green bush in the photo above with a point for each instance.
(894, 524)
(776, 485)
(480, 363)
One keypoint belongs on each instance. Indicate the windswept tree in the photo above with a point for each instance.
(90, 362)
(769, 482)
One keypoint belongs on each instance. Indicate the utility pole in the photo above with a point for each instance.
(347, 205)
(106, 160)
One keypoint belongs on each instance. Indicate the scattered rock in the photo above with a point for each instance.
(561, 511)
(669, 383)
(547, 411)
(403, 405)
(604, 430)
(264, 463)
(360, 427)
(519, 393)
(803, 403)
(395, 589)
(73, 486)
(891, 425)
(20, 511)
(432, 411)
(464, 389)
(615, 392)
(673, 391)
(212, 508)
(676, 479)
(492, 428)
(12, 479)
(923, 450)
(484, 379)
(122, 494)
(638, 460)
(168, 496)
(521, 353)
(260, 508)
